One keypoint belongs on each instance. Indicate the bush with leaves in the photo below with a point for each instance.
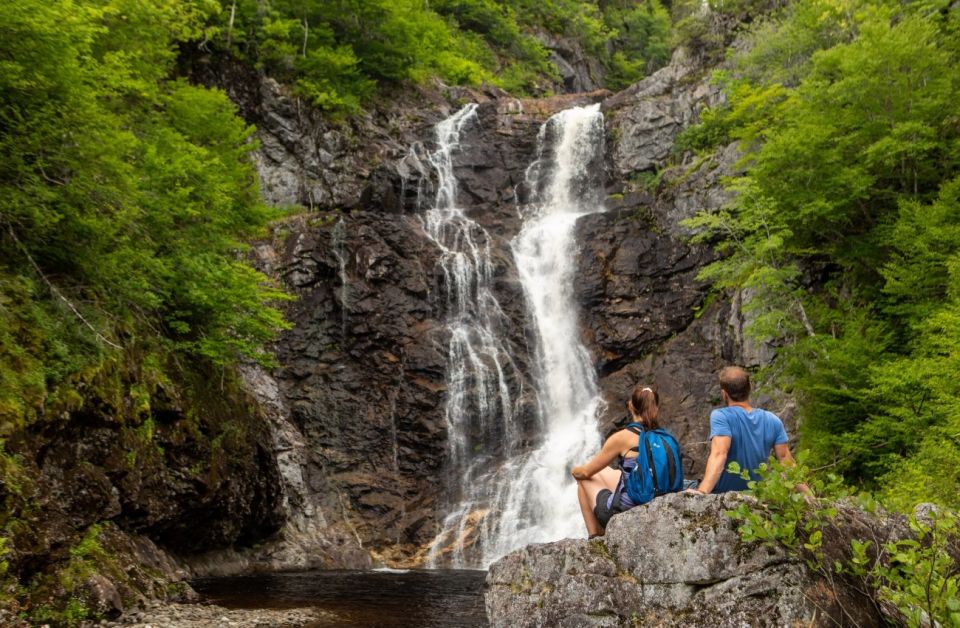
(337, 53)
(913, 578)
(785, 513)
(919, 576)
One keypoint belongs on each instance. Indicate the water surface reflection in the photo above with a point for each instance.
(429, 598)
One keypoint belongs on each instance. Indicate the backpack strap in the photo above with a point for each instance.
(653, 467)
(636, 428)
(671, 463)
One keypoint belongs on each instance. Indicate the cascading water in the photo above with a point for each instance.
(527, 495)
(538, 503)
(479, 407)
(338, 240)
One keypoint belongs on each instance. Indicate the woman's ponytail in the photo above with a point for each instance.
(646, 402)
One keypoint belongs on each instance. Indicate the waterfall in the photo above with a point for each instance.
(338, 241)
(523, 495)
(539, 501)
(479, 407)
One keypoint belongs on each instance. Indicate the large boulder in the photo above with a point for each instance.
(677, 561)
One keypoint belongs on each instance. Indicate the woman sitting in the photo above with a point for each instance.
(600, 489)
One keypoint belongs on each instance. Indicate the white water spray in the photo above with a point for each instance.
(528, 496)
(539, 503)
(479, 408)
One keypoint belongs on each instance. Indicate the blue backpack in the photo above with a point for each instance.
(659, 468)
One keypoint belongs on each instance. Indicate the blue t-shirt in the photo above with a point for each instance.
(752, 435)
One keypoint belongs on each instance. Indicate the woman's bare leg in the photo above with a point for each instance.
(587, 496)
(586, 509)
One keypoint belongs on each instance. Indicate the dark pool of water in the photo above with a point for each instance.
(429, 598)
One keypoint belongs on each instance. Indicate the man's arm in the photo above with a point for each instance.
(786, 459)
(719, 448)
(784, 455)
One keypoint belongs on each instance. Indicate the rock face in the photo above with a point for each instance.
(677, 561)
(356, 407)
(578, 70)
(647, 116)
(105, 492)
(363, 372)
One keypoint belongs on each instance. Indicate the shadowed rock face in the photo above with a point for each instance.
(122, 484)
(677, 561)
(363, 372)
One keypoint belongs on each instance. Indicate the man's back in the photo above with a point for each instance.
(752, 435)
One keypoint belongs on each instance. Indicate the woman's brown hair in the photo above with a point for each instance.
(645, 402)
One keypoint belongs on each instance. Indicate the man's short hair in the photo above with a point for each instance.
(736, 382)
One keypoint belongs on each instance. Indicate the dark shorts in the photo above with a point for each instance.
(604, 508)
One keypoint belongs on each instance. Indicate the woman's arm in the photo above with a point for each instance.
(617, 443)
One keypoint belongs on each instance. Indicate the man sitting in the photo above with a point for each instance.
(741, 433)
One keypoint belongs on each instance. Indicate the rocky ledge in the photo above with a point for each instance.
(677, 561)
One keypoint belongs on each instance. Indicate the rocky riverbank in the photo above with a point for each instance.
(213, 616)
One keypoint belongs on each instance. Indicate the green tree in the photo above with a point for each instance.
(843, 230)
(126, 199)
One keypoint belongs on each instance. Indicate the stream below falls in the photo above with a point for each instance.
(431, 598)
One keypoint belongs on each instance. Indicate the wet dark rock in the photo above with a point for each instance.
(363, 373)
(102, 596)
(637, 287)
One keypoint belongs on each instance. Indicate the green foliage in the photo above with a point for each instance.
(693, 27)
(917, 575)
(843, 231)
(7, 583)
(712, 131)
(517, 59)
(126, 200)
(337, 53)
(783, 514)
(699, 26)
(640, 38)
(780, 49)
(66, 604)
(646, 180)
(920, 577)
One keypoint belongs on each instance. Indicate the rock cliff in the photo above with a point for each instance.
(359, 396)
(102, 492)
